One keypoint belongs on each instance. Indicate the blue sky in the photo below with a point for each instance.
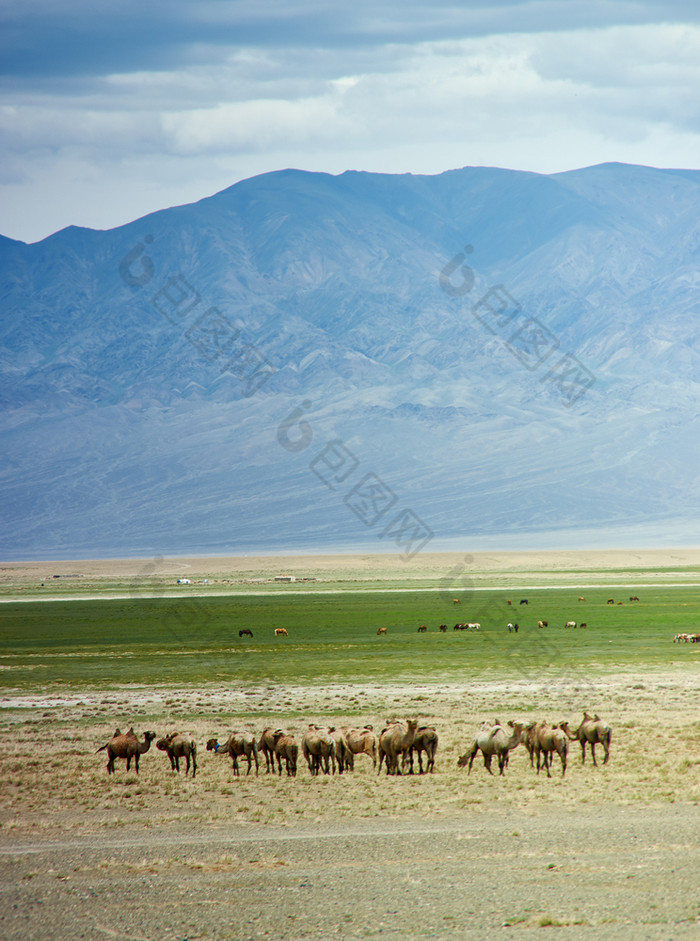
(110, 111)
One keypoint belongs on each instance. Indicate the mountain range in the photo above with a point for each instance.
(368, 362)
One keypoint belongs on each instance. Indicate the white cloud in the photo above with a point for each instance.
(542, 101)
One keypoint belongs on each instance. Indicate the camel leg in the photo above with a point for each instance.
(487, 763)
(593, 754)
(583, 752)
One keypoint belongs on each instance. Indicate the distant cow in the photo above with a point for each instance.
(281, 632)
(523, 601)
(246, 632)
(634, 598)
(570, 624)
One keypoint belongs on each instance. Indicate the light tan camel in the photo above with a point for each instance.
(394, 741)
(266, 745)
(126, 746)
(425, 740)
(491, 740)
(286, 748)
(176, 747)
(238, 744)
(318, 747)
(544, 741)
(361, 742)
(592, 731)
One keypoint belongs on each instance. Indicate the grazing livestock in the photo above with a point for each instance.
(179, 746)
(510, 627)
(634, 598)
(592, 731)
(543, 623)
(611, 601)
(443, 628)
(394, 741)
(425, 740)
(246, 632)
(544, 742)
(582, 625)
(286, 748)
(318, 747)
(422, 629)
(524, 601)
(490, 740)
(360, 742)
(281, 632)
(238, 744)
(570, 624)
(456, 601)
(381, 630)
(581, 598)
(126, 746)
(266, 745)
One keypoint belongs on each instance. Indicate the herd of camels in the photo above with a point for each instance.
(331, 749)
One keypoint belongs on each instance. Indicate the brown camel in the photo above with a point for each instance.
(126, 746)
(491, 740)
(425, 740)
(318, 747)
(592, 731)
(238, 744)
(544, 741)
(394, 742)
(266, 745)
(360, 742)
(179, 746)
(288, 749)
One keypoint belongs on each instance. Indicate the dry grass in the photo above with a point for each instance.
(52, 779)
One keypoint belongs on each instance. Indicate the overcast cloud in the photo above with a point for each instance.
(106, 115)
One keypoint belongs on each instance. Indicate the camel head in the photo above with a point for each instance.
(162, 744)
(212, 744)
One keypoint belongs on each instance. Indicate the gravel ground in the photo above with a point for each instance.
(627, 873)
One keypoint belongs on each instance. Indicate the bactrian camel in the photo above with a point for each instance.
(592, 731)
(394, 741)
(425, 740)
(491, 740)
(544, 742)
(126, 746)
(179, 746)
(318, 747)
(238, 744)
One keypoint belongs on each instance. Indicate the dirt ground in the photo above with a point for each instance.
(604, 852)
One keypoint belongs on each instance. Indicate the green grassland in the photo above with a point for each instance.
(192, 641)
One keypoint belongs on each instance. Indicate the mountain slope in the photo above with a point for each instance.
(484, 353)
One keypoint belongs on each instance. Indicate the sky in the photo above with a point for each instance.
(109, 111)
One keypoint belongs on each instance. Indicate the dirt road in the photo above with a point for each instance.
(624, 873)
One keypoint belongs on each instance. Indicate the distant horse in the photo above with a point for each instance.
(246, 632)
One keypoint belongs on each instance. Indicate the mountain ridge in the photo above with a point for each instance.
(147, 370)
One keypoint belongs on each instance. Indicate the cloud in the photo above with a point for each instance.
(173, 101)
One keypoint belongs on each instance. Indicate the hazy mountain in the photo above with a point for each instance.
(478, 353)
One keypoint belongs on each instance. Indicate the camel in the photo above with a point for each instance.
(592, 731)
(318, 747)
(360, 742)
(287, 748)
(425, 740)
(343, 755)
(238, 744)
(179, 746)
(491, 740)
(126, 746)
(544, 741)
(267, 743)
(394, 742)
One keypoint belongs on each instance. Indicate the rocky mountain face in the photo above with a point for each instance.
(368, 362)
